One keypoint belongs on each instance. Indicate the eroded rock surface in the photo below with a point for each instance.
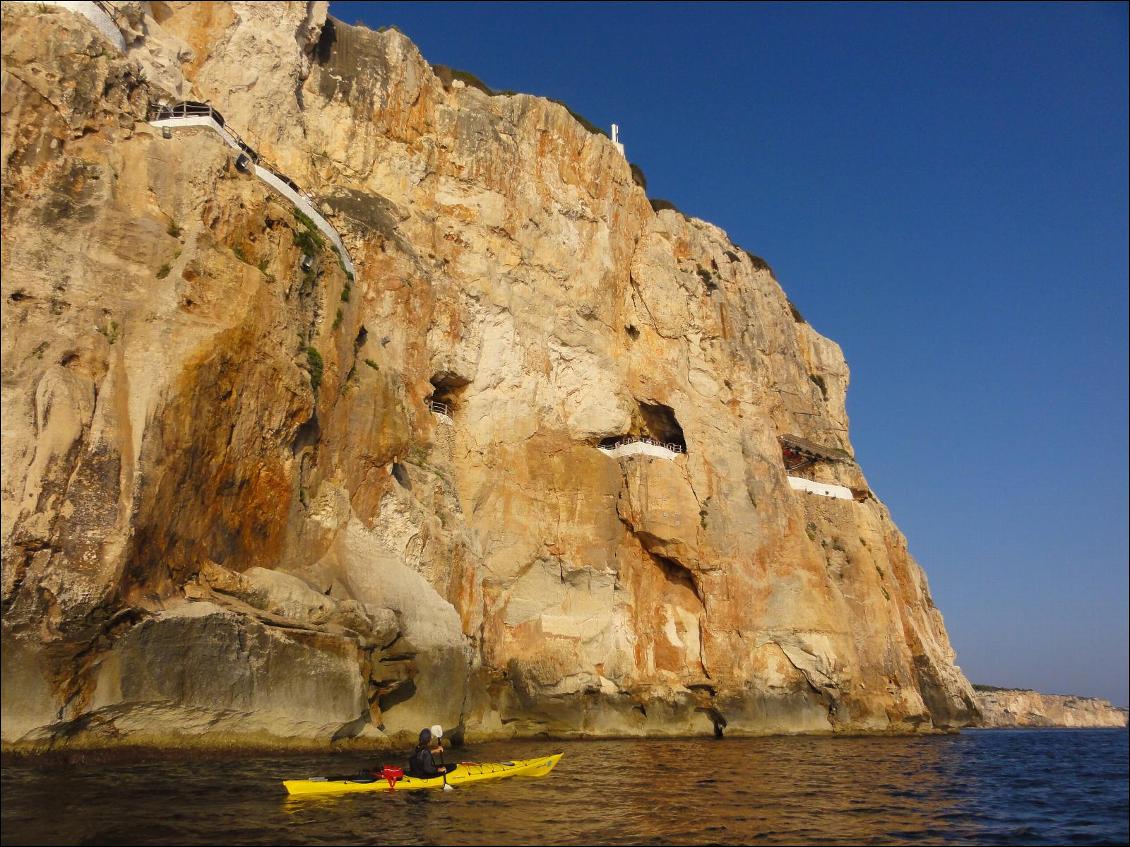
(228, 511)
(1010, 707)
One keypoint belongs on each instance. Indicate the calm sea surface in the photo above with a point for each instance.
(984, 787)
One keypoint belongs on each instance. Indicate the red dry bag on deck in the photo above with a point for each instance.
(392, 775)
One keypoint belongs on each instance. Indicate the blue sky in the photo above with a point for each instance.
(942, 189)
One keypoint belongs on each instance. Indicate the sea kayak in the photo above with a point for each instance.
(464, 774)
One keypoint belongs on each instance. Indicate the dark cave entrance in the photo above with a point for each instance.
(660, 423)
(447, 390)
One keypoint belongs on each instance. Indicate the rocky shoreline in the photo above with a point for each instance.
(1013, 708)
(93, 750)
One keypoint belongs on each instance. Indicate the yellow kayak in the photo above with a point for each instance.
(465, 773)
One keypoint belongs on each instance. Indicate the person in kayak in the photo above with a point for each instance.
(423, 763)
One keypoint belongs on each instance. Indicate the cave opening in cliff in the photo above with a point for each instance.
(794, 459)
(819, 382)
(307, 435)
(400, 474)
(798, 453)
(676, 573)
(447, 389)
(660, 423)
(323, 50)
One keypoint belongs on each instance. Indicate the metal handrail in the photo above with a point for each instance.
(185, 109)
(440, 408)
(190, 108)
(112, 13)
(193, 109)
(643, 439)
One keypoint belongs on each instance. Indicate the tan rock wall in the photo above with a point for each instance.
(1018, 708)
(506, 262)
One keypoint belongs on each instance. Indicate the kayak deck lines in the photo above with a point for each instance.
(464, 774)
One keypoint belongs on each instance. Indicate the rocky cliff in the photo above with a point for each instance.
(1010, 707)
(230, 514)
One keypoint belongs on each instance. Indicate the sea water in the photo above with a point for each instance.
(983, 787)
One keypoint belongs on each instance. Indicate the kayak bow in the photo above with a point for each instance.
(466, 773)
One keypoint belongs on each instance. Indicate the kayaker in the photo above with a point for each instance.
(423, 764)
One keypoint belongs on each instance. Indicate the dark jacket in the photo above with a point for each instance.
(422, 763)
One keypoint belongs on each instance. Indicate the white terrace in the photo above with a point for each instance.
(798, 452)
(188, 114)
(641, 447)
(183, 115)
(824, 489)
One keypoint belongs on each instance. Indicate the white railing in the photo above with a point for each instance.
(189, 114)
(641, 447)
(642, 439)
(286, 188)
(439, 408)
(184, 109)
(177, 118)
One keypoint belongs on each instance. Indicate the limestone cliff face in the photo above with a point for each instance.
(1020, 708)
(228, 511)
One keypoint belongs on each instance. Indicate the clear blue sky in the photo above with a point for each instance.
(942, 189)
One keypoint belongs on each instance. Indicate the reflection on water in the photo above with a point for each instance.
(984, 787)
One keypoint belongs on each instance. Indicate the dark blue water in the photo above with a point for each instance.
(983, 787)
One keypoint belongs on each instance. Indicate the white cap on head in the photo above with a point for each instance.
(437, 731)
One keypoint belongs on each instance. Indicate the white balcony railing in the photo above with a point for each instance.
(441, 409)
(190, 114)
(641, 446)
